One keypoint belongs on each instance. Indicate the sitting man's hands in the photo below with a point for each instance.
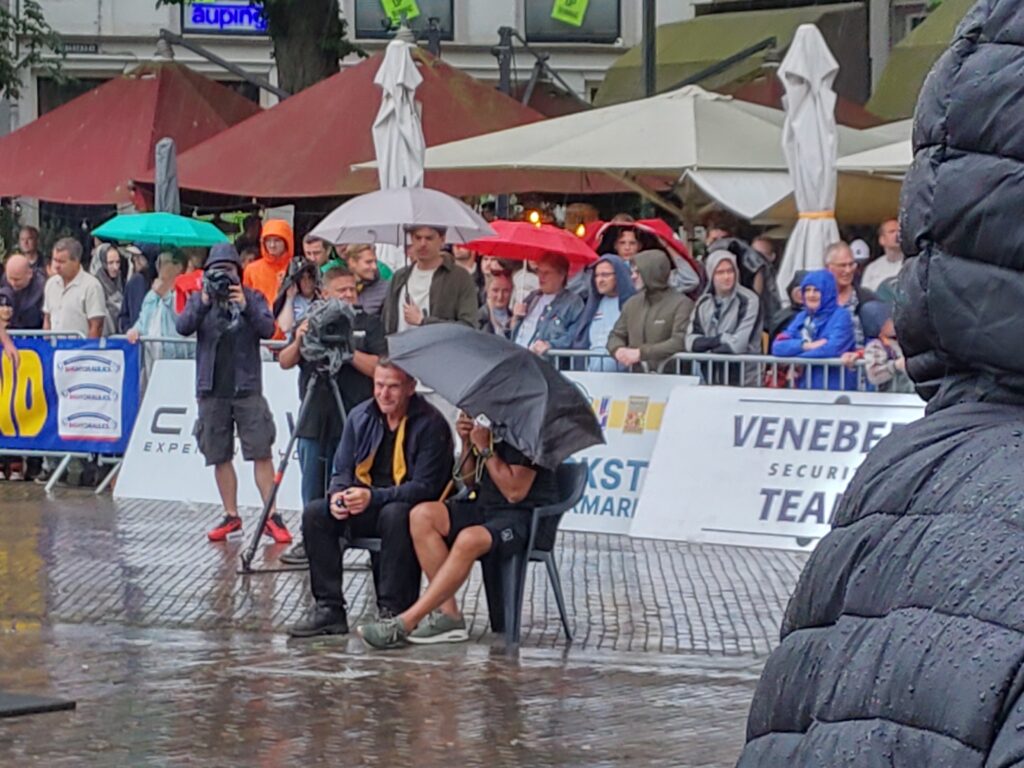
(480, 436)
(464, 426)
(337, 506)
(356, 500)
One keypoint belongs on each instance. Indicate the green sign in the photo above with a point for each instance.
(395, 9)
(570, 11)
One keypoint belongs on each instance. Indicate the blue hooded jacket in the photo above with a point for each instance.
(830, 322)
(623, 285)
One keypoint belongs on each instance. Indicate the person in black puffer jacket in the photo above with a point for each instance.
(903, 645)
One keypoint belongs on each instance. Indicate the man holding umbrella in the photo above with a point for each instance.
(432, 289)
(540, 417)
(450, 537)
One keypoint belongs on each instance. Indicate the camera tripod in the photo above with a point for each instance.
(250, 551)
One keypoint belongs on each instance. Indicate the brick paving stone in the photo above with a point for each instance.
(81, 559)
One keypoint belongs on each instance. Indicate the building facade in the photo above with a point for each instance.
(108, 37)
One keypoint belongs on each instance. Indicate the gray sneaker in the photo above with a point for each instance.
(384, 635)
(440, 628)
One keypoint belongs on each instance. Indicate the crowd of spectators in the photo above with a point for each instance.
(640, 304)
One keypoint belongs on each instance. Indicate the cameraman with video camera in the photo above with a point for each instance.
(319, 430)
(229, 322)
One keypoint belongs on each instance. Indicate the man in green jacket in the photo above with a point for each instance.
(652, 326)
(430, 290)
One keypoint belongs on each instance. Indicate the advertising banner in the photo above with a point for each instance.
(223, 17)
(163, 460)
(631, 409)
(163, 451)
(69, 395)
(761, 468)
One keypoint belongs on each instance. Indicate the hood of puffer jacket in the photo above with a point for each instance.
(654, 267)
(711, 264)
(282, 229)
(960, 300)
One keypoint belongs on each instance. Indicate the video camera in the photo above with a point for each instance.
(218, 281)
(330, 339)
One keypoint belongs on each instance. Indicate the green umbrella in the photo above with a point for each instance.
(161, 229)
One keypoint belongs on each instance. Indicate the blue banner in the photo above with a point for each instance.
(69, 395)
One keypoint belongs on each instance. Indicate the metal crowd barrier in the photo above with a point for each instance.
(768, 371)
(763, 371)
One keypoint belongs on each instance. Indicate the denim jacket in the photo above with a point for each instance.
(558, 324)
(256, 323)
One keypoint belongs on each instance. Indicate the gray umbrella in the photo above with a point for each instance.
(167, 198)
(533, 406)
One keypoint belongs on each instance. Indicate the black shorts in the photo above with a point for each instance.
(509, 526)
(216, 423)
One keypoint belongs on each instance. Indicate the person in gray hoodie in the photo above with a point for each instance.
(726, 321)
(652, 325)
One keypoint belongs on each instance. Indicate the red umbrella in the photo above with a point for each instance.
(524, 241)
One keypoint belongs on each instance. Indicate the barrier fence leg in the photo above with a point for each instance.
(109, 478)
(58, 473)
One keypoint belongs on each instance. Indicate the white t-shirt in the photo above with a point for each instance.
(71, 306)
(878, 271)
(418, 291)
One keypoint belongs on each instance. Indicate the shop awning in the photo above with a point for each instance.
(687, 47)
(909, 62)
(88, 150)
(306, 146)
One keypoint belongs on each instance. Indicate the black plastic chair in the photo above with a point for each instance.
(505, 578)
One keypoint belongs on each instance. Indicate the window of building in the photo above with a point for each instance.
(372, 23)
(602, 24)
(53, 93)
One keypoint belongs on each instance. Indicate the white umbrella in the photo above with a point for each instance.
(397, 131)
(810, 142)
(385, 216)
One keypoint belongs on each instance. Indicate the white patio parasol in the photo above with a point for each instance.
(397, 131)
(810, 143)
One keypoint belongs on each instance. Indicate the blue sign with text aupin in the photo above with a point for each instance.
(224, 17)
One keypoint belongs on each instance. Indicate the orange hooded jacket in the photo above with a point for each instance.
(266, 273)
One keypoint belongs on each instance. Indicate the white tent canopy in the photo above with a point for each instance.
(731, 149)
(889, 160)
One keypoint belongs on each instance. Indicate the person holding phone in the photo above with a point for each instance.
(395, 452)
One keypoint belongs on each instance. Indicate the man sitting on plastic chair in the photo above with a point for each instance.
(450, 536)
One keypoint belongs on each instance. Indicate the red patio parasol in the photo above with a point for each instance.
(529, 242)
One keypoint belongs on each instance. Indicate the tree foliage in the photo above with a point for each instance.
(27, 41)
(309, 39)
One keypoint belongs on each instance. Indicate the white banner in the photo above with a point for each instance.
(762, 468)
(90, 385)
(631, 409)
(163, 461)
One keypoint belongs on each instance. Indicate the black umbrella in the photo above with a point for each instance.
(532, 405)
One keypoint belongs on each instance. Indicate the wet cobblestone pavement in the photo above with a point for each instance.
(176, 660)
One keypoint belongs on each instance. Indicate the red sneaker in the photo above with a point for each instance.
(230, 524)
(276, 529)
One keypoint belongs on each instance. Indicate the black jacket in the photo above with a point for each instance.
(208, 322)
(427, 449)
(903, 645)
